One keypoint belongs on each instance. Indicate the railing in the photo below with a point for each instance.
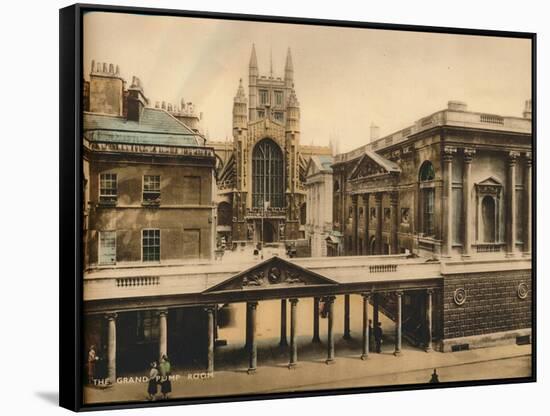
(139, 281)
(383, 268)
(489, 118)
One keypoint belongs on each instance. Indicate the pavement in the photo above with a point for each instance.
(273, 375)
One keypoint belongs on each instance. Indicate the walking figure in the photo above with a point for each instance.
(165, 372)
(378, 337)
(92, 358)
(435, 377)
(152, 385)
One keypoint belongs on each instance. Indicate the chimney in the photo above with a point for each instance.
(136, 100)
(374, 132)
(527, 111)
(106, 90)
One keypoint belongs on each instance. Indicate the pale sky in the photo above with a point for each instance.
(345, 78)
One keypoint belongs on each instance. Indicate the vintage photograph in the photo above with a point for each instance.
(280, 207)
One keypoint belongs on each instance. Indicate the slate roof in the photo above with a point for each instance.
(323, 163)
(156, 127)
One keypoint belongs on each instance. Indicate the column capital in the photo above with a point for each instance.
(253, 304)
(354, 199)
(398, 293)
(448, 152)
(366, 295)
(378, 197)
(365, 197)
(294, 301)
(210, 308)
(430, 291)
(469, 154)
(162, 311)
(111, 316)
(513, 157)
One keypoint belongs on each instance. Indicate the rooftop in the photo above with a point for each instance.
(156, 127)
(454, 116)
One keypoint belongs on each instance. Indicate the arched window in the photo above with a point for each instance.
(488, 215)
(427, 172)
(427, 200)
(267, 175)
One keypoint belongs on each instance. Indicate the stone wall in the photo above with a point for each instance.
(492, 303)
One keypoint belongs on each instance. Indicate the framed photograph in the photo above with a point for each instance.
(257, 207)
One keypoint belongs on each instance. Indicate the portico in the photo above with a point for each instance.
(295, 285)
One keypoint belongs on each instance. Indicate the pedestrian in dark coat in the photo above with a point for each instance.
(378, 333)
(435, 377)
(165, 371)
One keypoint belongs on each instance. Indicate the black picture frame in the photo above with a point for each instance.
(70, 215)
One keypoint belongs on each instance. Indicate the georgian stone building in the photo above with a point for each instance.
(319, 204)
(148, 198)
(455, 188)
(261, 193)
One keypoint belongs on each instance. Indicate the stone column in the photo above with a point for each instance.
(467, 201)
(528, 204)
(379, 222)
(253, 348)
(366, 247)
(329, 303)
(429, 296)
(511, 219)
(247, 329)
(366, 299)
(375, 309)
(447, 199)
(163, 332)
(293, 344)
(394, 199)
(283, 342)
(111, 347)
(354, 225)
(398, 322)
(347, 332)
(316, 339)
(210, 356)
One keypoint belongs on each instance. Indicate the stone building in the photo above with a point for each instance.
(148, 185)
(319, 204)
(261, 192)
(454, 187)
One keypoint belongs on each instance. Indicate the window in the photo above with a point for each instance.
(147, 328)
(267, 175)
(151, 245)
(427, 172)
(488, 215)
(278, 98)
(278, 115)
(108, 188)
(428, 217)
(261, 113)
(107, 247)
(264, 97)
(151, 189)
(427, 200)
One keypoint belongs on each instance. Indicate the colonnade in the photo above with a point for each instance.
(251, 343)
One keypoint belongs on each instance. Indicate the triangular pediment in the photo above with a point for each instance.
(490, 181)
(372, 164)
(274, 273)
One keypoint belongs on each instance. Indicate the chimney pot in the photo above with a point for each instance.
(111, 69)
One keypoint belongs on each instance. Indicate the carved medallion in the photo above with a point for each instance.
(523, 291)
(459, 296)
(274, 275)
